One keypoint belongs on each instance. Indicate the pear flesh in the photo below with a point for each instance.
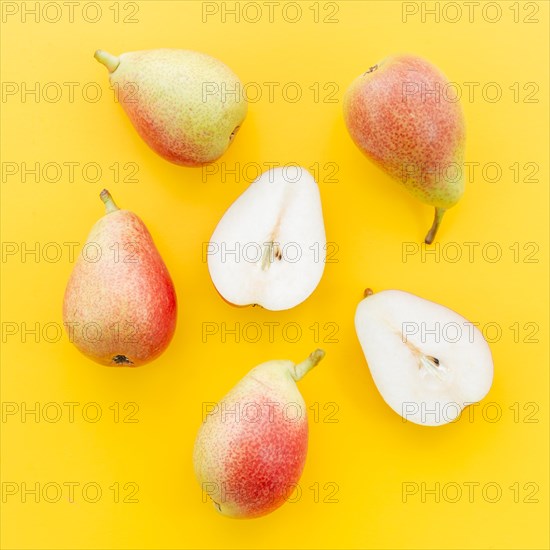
(401, 114)
(186, 105)
(120, 304)
(251, 449)
(269, 248)
(427, 361)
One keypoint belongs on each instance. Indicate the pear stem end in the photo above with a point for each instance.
(110, 61)
(301, 369)
(110, 205)
(435, 226)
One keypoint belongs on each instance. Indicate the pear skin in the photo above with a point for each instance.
(251, 449)
(401, 114)
(186, 105)
(120, 303)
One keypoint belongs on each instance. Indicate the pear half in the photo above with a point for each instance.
(427, 361)
(269, 248)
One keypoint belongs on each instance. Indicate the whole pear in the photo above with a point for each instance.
(403, 116)
(120, 303)
(251, 449)
(186, 105)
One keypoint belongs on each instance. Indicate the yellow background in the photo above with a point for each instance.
(369, 452)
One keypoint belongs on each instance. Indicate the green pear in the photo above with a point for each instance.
(120, 303)
(186, 105)
(251, 449)
(402, 114)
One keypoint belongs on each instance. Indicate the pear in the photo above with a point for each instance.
(120, 303)
(186, 105)
(427, 361)
(401, 114)
(250, 450)
(269, 248)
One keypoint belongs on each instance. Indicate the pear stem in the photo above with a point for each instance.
(270, 254)
(105, 58)
(368, 292)
(435, 226)
(110, 205)
(301, 369)
(267, 256)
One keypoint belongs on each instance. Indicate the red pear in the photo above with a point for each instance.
(120, 303)
(251, 449)
(403, 114)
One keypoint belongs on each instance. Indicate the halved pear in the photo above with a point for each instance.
(269, 248)
(427, 361)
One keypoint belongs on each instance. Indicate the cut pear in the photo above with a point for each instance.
(427, 361)
(269, 248)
